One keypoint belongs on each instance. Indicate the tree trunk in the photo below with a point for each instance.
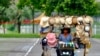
(4, 28)
(19, 24)
(33, 19)
(33, 28)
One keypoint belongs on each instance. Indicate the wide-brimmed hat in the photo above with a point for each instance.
(44, 21)
(62, 20)
(88, 19)
(74, 20)
(52, 20)
(68, 20)
(79, 20)
(57, 20)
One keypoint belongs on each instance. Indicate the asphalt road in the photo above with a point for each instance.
(32, 47)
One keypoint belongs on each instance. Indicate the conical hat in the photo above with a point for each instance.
(52, 20)
(79, 19)
(57, 20)
(37, 19)
(44, 21)
(88, 19)
(68, 20)
(40, 16)
(62, 20)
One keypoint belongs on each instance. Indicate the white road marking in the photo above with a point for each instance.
(31, 48)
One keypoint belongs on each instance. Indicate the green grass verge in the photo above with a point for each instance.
(96, 36)
(19, 35)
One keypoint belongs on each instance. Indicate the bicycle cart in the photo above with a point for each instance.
(82, 33)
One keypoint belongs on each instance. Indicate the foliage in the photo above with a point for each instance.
(26, 13)
(3, 17)
(5, 3)
(11, 12)
(23, 3)
(77, 7)
(98, 7)
(69, 7)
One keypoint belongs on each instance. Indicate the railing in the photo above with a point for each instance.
(96, 29)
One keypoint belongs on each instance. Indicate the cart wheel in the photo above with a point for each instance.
(42, 54)
(72, 53)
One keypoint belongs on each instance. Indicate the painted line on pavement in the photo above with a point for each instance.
(31, 48)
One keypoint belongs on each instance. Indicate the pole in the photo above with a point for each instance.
(84, 50)
(95, 29)
(32, 16)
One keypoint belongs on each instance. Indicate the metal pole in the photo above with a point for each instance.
(84, 50)
(95, 29)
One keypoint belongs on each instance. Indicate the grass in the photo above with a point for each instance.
(96, 36)
(16, 35)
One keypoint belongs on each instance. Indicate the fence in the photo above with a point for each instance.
(23, 29)
(29, 29)
(96, 29)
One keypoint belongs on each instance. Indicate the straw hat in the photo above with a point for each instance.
(74, 20)
(62, 20)
(79, 19)
(79, 30)
(57, 20)
(52, 20)
(68, 20)
(44, 21)
(88, 19)
(86, 34)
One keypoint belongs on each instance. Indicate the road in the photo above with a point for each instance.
(32, 47)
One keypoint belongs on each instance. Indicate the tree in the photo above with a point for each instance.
(27, 3)
(23, 3)
(26, 13)
(98, 7)
(77, 7)
(12, 13)
(17, 15)
(47, 6)
(3, 5)
(69, 7)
